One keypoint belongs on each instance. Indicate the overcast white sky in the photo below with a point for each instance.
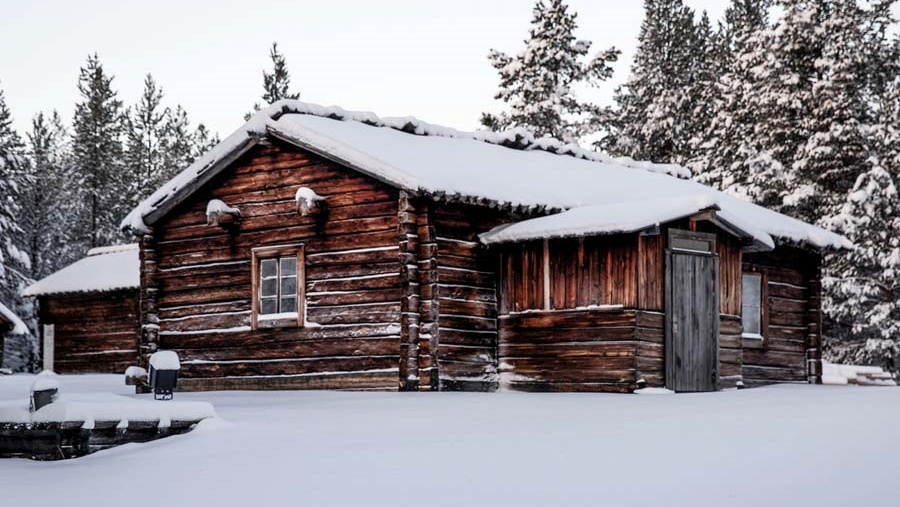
(425, 58)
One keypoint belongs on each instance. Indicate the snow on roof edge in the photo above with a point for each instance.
(102, 250)
(19, 327)
(260, 123)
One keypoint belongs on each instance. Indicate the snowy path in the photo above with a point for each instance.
(790, 445)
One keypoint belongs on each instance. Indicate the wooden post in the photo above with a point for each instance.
(429, 378)
(149, 304)
(814, 328)
(409, 303)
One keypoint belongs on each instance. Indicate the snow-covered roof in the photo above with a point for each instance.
(7, 315)
(104, 269)
(508, 168)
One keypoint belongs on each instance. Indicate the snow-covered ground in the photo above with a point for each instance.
(786, 445)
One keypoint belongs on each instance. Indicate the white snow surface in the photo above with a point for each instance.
(356, 448)
(841, 374)
(307, 194)
(18, 326)
(417, 156)
(219, 206)
(104, 269)
(92, 398)
(165, 360)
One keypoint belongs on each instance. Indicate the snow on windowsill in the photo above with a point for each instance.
(278, 316)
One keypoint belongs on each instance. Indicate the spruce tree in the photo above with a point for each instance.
(181, 144)
(656, 107)
(97, 158)
(836, 150)
(44, 198)
(277, 83)
(144, 132)
(17, 352)
(538, 84)
(862, 289)
(726, 156)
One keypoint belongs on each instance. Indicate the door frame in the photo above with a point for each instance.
(682, 242)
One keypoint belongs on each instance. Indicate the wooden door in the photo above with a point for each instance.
(692, 312)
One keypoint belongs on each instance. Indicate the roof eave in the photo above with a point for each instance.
(205, 176)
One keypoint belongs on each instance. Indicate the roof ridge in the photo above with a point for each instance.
(515, 138)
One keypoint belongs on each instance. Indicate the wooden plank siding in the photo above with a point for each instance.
(93, 333)
(198, 285)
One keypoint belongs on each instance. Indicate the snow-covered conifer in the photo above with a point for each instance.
(538, 84)
(656, 105)
(277, 83)
(16, 353)
(145, 124)
(862, 289)
(45, 198)
(97, 157)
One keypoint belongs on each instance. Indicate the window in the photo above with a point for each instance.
(278, 286)
(752, 308)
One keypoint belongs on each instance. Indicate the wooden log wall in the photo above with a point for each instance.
(650, 334)
(791, 349)
(570, 350)
(355, 280)
(93, 333)
(466, 274)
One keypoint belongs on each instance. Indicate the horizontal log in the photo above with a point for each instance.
(569, 319)
(568, 350)
(289, 367)
(539, 386)
(370, 346)
(386, 380)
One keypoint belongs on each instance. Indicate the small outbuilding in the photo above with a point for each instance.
(322, 248)
(88, 312)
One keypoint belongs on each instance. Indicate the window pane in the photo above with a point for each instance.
(289, 286)
(288, 266)
(268, 268)
(269, 287)
(751, 294)
(268, 305)
(288, 305)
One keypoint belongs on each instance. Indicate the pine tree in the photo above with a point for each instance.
(656, 105)
(144, 132)
(726, 156)
(277, 83)
(44, 198)
(97, 158)
(836, 151)
(180, 145)
(538, 84)
(862, 292)
(17, 352)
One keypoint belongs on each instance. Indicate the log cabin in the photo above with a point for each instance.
(318, 248)
(11, 328)
(88, 312)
